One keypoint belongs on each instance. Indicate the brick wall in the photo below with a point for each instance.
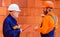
(29, 16)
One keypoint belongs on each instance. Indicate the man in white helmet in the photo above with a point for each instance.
(10, 26)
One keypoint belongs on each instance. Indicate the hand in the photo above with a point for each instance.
(20, 29)
(36, 27)
(19, 26)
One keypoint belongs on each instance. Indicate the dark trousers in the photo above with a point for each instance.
(50, 34)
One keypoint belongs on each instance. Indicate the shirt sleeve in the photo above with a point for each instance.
(13, 23)
(51, 24)
(10, 32)
(44, 27)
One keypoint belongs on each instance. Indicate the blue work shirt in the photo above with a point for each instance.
(8, 30)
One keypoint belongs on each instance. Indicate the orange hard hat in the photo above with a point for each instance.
(48, 4)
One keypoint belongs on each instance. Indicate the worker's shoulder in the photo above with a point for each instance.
(7, 19)
(50, 17)
(47, 17)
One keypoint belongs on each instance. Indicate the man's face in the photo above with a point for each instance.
(16, 13)
(46, 10)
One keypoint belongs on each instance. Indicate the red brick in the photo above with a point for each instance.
(0, 3)
(36, 11)
(38, 3)
(2, 19)
(7, 2)
(30, 3)
(3, 10)
(21, 3)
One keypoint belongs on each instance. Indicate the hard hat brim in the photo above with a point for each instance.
(14, 10)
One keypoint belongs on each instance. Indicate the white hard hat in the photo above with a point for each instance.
(14, 7)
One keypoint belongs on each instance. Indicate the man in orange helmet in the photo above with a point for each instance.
(49, 22)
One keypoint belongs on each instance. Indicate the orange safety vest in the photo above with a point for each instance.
(48, 24)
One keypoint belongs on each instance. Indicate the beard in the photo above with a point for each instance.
(45, 12)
